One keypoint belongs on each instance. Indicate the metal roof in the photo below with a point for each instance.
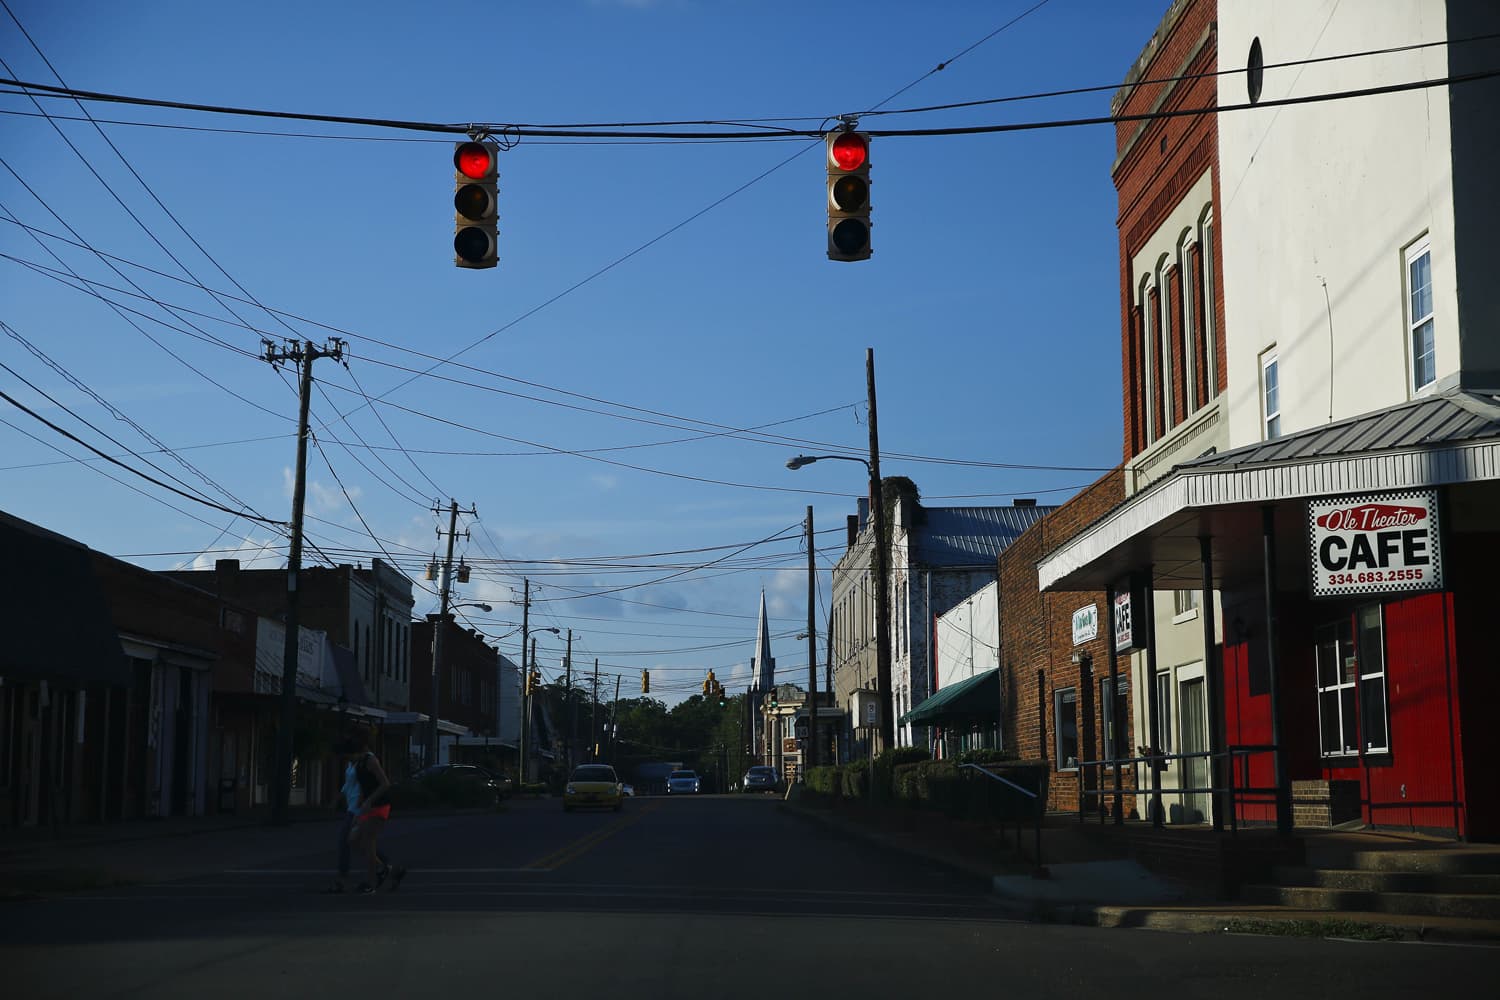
(1445, 418)
(969, 536)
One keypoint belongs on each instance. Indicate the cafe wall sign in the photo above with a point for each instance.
(1378, 543)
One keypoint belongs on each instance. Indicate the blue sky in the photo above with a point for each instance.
(991, 301)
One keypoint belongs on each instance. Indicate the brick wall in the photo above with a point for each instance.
(1158, 161)
(1036, 632)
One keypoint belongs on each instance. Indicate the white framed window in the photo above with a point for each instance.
(1148, 366)
(1189, 321)
(1164, 324)
(1270, 394)
(1210, 340)
(1337, 715)
(1185, 603)
(1374, 727)
(1065, 726)
(1164, 711)
(1419, 324)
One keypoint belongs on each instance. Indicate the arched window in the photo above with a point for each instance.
(1210, 334)
(1164, 338)
(1148, 382)
(1190, 332)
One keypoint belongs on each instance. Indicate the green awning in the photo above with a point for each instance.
(976, 697)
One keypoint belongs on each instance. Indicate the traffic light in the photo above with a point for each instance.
(475, 179)
(526, 689)
(645, 682)
(848, 195)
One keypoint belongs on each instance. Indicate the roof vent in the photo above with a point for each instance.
(1024, 501)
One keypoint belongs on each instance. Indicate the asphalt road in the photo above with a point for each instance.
(697, 897)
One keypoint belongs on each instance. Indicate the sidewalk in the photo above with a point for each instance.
(1112, 891)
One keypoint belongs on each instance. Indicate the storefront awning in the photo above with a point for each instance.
(48, 583)
(1439, 440)
(976, 697)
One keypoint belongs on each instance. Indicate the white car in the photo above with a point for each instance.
(682, 783)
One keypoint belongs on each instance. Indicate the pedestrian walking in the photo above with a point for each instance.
(369, 815)
(350, 749)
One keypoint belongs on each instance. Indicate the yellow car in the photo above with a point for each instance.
(593, 785)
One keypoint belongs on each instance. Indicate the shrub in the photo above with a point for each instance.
(882, 771)
(853, 780)
(824, 780)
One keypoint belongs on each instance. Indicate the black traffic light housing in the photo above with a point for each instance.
(848, 163)
(475, 182)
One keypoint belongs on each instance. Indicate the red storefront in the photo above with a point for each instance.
(1369, 655)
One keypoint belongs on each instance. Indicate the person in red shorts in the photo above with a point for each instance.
(371, 815)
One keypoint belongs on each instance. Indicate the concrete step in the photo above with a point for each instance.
(1386, 881)
(1479, 860)
(1435, 904)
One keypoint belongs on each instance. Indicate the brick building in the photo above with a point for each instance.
(1055, 679)
(467, 687)
(1343, 513)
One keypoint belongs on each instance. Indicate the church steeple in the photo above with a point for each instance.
(763, 667)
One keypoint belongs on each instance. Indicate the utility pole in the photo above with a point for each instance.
(441, 626)
(572, 704)
(526, 711)
(304, 356)
(882, 583)
(594, 717)
(810, 758)
(525, 636)
(614, 724)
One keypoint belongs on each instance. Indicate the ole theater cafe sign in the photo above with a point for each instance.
(1375, 544)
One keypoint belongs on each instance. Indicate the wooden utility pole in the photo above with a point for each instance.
(882, 582)
(810, 758)
(303, 355)
(441, 626)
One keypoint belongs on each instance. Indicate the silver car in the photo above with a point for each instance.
(682, 783)
(760, 778)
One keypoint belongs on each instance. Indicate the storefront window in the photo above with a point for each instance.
(1164, 710)
(1351, 673)
(1372, 704)
(1113, 709)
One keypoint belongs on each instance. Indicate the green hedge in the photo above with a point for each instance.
(825, 780)
(961, 793)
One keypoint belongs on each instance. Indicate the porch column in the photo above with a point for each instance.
(1283, 784)
(1153, 722)
(1216, 768)
(1116, 751)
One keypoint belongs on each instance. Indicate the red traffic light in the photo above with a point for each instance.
(849, 151)
(474, 159)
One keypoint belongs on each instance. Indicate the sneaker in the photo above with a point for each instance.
(365, 889)
(398, 872)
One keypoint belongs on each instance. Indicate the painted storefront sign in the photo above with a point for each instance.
(1124, 625)
(1379, 543)
(1085, 624)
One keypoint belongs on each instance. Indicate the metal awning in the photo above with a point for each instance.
(976, 697)
(1439, 440)
(48, 583)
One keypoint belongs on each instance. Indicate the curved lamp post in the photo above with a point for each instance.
(882, 595)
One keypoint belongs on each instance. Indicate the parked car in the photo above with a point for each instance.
(593, 785)
(761, 778)
(628, 790)
(464, 779)
(682, 783)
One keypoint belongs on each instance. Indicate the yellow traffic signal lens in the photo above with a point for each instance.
(472, 201)
(850, 193)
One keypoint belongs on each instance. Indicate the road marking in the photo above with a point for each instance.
(584, 844)
(324, 871)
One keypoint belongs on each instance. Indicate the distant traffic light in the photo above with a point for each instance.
(848, 195)
(475, 179)
(645, 682)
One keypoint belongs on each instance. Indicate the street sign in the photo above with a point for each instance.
(788, 744)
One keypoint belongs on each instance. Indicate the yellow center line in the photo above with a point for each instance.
(583, 845)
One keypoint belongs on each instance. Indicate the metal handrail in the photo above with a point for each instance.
(1234, 790)
(1034, 796)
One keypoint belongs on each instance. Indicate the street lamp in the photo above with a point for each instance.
(882, 595)
(472, 604)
